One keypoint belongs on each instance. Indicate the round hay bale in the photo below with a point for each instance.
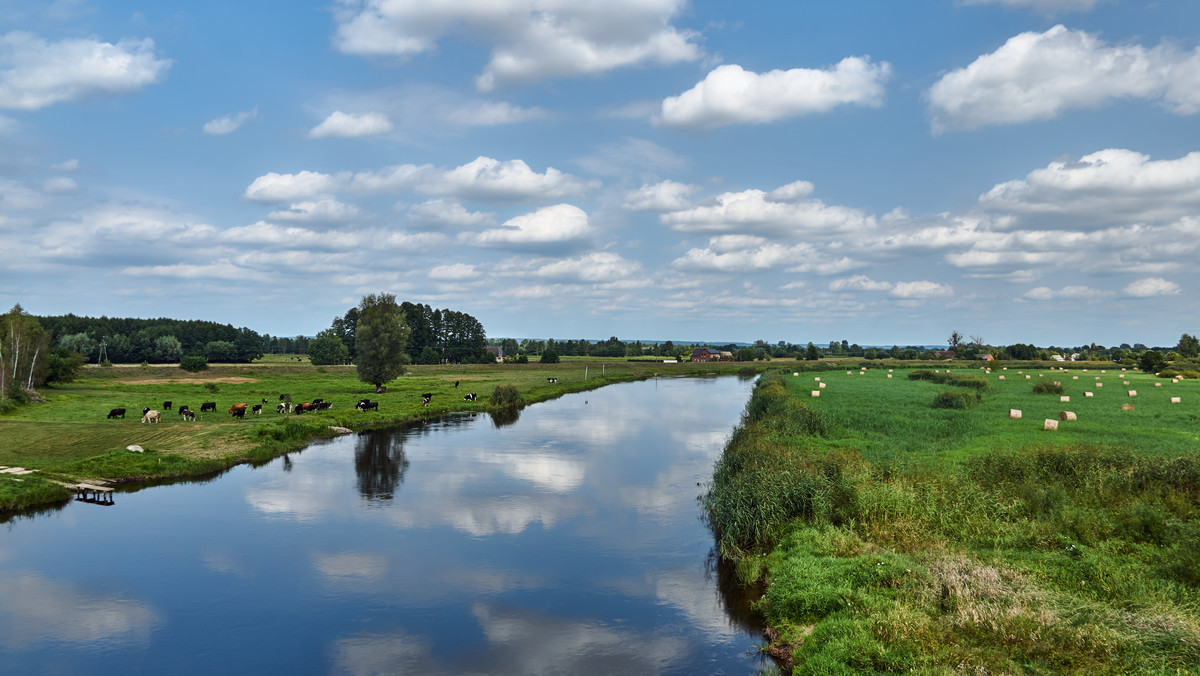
(1067, 415)
(817, 379)
(889, 375)
(1001, 377)
(1088, 394)
(816, 393)
(1050, 425)
(1099, 384)
(1074, 377)
(1158, 384)
(795, 374)
(1175, 400)
(1064, 398)
(1133, 393)
(821, 385)
(1014, 413)
(1126, 407)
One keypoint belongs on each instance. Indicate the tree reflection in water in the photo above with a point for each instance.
(380, 463)
(504, 415)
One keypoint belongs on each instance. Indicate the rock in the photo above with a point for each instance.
(135, 448)
(341, 430)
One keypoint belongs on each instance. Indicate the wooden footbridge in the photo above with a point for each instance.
(84, 492)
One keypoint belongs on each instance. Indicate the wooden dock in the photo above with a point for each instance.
(101, 495)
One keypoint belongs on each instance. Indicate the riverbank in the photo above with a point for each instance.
(69, 439)
(897, 537)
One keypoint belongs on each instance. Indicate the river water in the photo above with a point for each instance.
(567, 541)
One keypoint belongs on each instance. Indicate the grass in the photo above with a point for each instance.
(904, 538)
(69, 437)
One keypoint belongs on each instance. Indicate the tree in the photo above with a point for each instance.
(1151, 362)
(549, 356)
(63, 365)
(811, 353)
(954, 339)
(379, 340)
(167, 349)
(327, 349)
(344, 327)
(220, 351)
(1189, 346)
(78, 342)
(23, 348)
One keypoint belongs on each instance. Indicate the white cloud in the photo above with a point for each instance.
(921, 289)
(35, 73)
(482, 179)
(548, 225)
(597, 267)
(1079, 292)
(229, 123)
(731, 95)
(1039, 76)
(532, 39)
(859, 283)
(440, 213)
(273, 187)
(755, 210)
(455, 272)
(346, 125)
(59, 184)
(1105, 186)
(1046, 7)
(326, 210)
(69, 165)
(491, 113)
(662, 196)
(1152, 286)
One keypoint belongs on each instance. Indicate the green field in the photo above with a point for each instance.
(68, 438)
(891, 536)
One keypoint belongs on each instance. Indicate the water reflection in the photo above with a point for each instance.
(37, 610)
(503, 417)
(380, 464)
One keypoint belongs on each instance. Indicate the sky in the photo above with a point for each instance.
(876, 171)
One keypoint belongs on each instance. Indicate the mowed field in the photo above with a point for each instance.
(889, 419)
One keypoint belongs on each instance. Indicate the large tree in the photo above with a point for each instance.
(24, 345)
(328, 349)
(379, 340)
(1189, 346)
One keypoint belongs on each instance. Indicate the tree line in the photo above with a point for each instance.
(434, 336)
(154, 341)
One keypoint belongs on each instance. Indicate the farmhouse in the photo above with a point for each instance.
(496, 352)
(946, 354)
(706, 354)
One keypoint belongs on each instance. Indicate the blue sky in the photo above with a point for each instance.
(876, 171)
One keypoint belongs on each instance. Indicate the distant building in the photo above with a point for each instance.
(946, 354)
(985, 357)
(496, 352)
(706, 354)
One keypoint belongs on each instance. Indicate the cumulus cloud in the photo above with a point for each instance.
(1076, 292)
(778, 212)
(69, 165)
(859, 283)
(273, 187)
(483, 178)
(492, 113)
(596, 268)
(346, 125)
(455, 272)
(229, 123)
(326, 210)
(440, 213)
(1152, 286)
(35, 73)
(921, 289)
(731, 95)
(662, 196)
(548, 225)
(532, 39)
(1039, 76)
(1103, 187)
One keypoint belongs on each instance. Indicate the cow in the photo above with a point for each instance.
(469, 397)
(301, 408)
(456, 383)
(150, 416)
(145, 410)
(167, 405)
(208, 406)
(283, 408)
(116, 412)
(256, 409)
(187, 415)
(552, 380)
(324, 406)
(425, 398)
(238, 410)
(283, 397)
(367, 404)
(184, 409)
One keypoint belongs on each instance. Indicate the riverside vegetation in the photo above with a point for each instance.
(67, 438)
(896, 536)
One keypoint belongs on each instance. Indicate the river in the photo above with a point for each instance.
(567, 541)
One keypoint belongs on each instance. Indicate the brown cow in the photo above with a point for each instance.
(150, 416)
(238, 410)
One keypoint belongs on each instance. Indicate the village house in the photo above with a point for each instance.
(705, 354)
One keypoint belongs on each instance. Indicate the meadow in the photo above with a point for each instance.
(895, 536)
(68, 438)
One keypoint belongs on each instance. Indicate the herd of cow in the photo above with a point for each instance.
(150, 415)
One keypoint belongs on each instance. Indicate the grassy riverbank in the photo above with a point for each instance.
(896, 537)
(68, 437)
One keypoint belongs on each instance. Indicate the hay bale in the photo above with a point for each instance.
(1064, 398)
(1175, 400)
(1014, 413)
(1097, 377)
(1088, 394)
(1050, 425)
(1126, 407)
(1133, 393)
(1099, 384)
(1124, 382)
(821, 385)
(889, 375)
(1103, 371)
(817, 379)
(795, 374)
(816, 393)
(1067, 416)
(1158, 384)
(1001, 377)
(1074, 377)
(849, 373)
(1028, 377)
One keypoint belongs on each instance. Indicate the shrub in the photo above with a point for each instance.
(956, 399)
(106, 363)
(193, 363)
(549, 357)
(212, 387)
(1048, 387)
(522, 359)
(507, 395)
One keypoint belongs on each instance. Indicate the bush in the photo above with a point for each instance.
(507, 395)
(1048, 387)
(522, 359)
(956, 399)
(549, 357)
(212, 387)
(193, 363)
